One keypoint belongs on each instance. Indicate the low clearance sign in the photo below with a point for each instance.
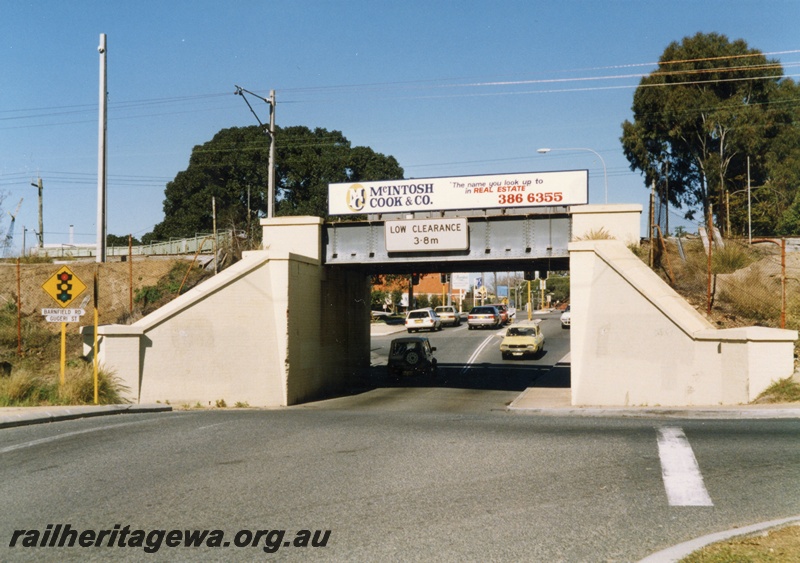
(462, 192)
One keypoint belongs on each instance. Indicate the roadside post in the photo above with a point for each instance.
(95, 360)
(63, 287)
(529, 301)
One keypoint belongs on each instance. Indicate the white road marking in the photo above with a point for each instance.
(682, 478)
(49, 439)
(477, 352)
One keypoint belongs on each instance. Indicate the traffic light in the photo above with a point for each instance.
(64, 287)
(414, 279)
(535, 275)
(444, 278)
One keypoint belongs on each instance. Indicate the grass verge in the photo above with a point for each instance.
(781, 545)
(785, 390)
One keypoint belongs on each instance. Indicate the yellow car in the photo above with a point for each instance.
(522, 340)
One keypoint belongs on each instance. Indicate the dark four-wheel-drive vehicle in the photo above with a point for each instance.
(411, 355)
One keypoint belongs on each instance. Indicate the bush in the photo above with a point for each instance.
(147, 296)
(730, 258)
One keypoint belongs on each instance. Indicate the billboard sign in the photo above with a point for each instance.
(459, 280)
(496, 191)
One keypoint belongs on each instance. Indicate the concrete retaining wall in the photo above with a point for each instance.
(637, 342)
(261, 332)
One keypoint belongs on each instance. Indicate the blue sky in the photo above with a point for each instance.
(448, 88)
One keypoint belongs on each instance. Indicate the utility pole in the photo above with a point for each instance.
(40, 234)
(270, 130)
(102, 152)
(271, 181)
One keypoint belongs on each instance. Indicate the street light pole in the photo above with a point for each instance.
(605, 172)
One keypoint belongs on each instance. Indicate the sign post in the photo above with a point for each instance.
(64, 287)
(95, 360)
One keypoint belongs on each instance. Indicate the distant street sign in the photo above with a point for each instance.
(54, 311)
(64, 287)
(61, 318)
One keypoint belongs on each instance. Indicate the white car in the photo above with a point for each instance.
(565, 318)
(419, 319)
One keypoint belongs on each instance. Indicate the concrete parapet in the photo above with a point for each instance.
(620, 221)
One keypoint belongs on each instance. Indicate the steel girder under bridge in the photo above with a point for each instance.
(495, 243)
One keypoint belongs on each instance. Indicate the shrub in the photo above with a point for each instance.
(26, 388)
(730, 258)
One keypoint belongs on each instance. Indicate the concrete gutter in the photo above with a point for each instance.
(22, 416)
(677, 552)
(557, 401)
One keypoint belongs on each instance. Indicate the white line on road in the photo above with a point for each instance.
(477, 352)
(49, 439)
(682, 478)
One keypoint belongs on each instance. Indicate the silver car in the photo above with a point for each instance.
(484, 316)
(449, 315)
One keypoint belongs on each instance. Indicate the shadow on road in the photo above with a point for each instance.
(487, 376)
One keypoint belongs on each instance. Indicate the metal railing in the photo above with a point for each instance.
(201, 243)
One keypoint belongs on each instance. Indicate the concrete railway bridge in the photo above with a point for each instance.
(290, 323)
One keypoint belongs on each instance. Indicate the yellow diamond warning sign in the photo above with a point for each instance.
(64, 286)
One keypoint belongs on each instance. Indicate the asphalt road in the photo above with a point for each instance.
(390, 485)
(421, 471)
(471, 359)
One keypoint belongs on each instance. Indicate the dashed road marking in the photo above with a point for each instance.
(679, 469)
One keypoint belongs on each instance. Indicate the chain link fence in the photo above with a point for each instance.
(742, 284)
(124, 290)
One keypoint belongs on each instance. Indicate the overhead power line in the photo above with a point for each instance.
(11, 116)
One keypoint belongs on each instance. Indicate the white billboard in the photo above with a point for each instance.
(459, 280)
(494, 191)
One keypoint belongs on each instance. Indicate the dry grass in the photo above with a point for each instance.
(596, 234)
(785, 390)
(772, 546)
(29, 388)
(745, 285)
(35, 358)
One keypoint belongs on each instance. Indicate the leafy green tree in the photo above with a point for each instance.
(378, 299)
(776, 152)
(558, 286)
(698, 116)
(233, 169)
(116, 240)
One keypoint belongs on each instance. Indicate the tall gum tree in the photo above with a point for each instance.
(695, 119)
